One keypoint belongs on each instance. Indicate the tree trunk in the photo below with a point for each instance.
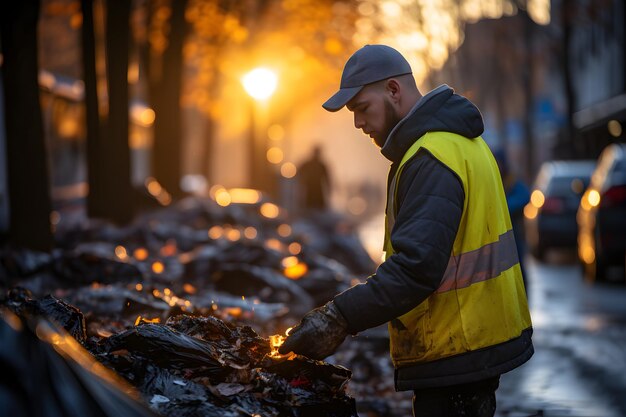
(165, 93)
(27, 169)
(96, 201)
(115, 152)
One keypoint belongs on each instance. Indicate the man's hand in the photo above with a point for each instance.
(319, 333)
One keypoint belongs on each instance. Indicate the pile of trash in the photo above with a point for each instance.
(174, 304)
(190, 365)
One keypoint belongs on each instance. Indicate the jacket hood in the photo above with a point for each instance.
(441, 110)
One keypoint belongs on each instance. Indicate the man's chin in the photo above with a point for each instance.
(378, 142)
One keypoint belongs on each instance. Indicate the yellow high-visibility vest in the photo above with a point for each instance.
(481, 301)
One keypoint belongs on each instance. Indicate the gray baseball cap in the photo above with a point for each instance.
(368, 65)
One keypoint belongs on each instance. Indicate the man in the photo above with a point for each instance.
(314, 182)
(450, 286)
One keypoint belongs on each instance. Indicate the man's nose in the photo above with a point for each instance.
(358, 122)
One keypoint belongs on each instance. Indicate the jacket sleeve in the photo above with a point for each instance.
(430, 200)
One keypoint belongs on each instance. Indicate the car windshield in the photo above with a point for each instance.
(567, 186)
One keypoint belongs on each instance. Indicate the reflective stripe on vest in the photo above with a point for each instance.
(481, 264)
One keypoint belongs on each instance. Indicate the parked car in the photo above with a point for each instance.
(550, 217)
(602, 215)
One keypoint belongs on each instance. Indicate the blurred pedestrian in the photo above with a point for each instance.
(451, 286)
(313, 182)
(517, 196)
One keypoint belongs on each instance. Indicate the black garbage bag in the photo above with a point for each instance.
(46, 373)
(299, 396)
(65, 315)
(241, 342)
(169, 349)
(169, 394)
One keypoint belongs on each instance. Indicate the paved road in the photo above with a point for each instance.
(579, 368)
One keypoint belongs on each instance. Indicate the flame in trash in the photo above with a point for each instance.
(276, 341)
(146, 320)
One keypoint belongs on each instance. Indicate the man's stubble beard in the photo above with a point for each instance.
(391, 120)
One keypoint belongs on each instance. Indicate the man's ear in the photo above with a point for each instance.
(392, 88)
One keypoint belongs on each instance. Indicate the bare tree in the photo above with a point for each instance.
(165, 89)
(117, 186)
(96, 200)
(28, 177)
(111, 195)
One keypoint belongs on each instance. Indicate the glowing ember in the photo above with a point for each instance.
(169, 249)
(158, 267)
(296, 271)
(189, 289)
(140, 254)
(233, 311)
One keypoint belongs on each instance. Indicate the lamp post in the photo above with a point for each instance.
(260, 84)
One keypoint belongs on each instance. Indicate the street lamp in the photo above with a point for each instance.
(260, 84)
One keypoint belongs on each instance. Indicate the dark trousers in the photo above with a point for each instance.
(476, 399)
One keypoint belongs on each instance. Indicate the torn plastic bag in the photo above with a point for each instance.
(171, 395)
(176, 395)
(169, 349)
(46, 373)
(297, 397)
(241, 342)
(62, 313)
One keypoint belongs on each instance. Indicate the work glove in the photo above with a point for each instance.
(319, 333)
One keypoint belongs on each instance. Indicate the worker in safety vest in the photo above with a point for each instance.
(450, 287)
